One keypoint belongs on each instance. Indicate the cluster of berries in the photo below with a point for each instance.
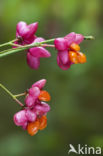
(68, 50)
(33, 116)
(26, 35)
(68, 47)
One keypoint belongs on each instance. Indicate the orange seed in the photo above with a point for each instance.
(43, 122)
(73, 57)
(44, 96)
(33, 127)
(75, 47)
(81, 57)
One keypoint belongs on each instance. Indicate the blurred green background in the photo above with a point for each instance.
(76, 114)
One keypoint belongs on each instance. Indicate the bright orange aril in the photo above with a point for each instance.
(33, 127)
(73, 57)
(81, 57)
(75, 47)
(44, 96)
(43, 122)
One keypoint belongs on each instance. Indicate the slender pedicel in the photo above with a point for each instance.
(13, 96)
(19, 95)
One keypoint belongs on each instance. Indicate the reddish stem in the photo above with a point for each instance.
(19, 102)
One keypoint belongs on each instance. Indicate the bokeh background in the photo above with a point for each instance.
(76, 114)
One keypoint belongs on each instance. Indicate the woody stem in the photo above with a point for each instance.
(36, 44)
